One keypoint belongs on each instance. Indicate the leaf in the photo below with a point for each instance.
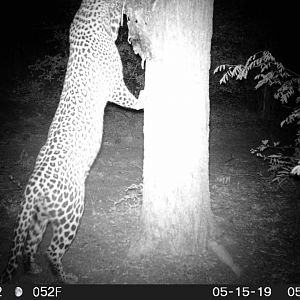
(275, 156)
(258, 76)
(217, 69)
(296, 170)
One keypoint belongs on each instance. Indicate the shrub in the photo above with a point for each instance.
(281, 159)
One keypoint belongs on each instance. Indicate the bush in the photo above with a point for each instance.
(281, 159)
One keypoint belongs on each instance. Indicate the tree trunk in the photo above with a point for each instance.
(176, 209)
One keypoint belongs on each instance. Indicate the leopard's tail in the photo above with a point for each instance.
(24, 221)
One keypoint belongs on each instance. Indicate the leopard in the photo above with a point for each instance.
(55, 191)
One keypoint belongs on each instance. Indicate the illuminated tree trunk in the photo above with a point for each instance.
(176, 210)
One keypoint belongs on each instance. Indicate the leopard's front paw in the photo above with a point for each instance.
(141, 100)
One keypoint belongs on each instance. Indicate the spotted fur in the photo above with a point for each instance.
(55, 191)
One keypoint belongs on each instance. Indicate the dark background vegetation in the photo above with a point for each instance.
(241, 28)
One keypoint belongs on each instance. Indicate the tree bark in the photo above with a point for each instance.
(176, 211)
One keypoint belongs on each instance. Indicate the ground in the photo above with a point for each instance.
(258, 223)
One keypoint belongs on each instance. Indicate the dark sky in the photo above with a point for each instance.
(26, 26)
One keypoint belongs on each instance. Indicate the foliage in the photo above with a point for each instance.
(282, 160)
(52, 67)
(235, 37)
(48, 72)
(132, 71)
(49, 68)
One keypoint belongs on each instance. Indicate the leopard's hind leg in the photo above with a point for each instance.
(64, 231)
(35, 234)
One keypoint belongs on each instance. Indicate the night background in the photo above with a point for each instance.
(259, 218)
